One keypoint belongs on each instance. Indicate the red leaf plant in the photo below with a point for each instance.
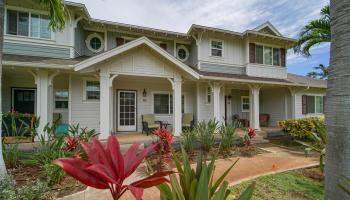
(70, 143)
(165, 137)
(107, 168)
(250, 135)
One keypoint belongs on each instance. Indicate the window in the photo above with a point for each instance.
(209, 95)
(94, 43)
(216, 48)
(61, 99)
(163, 103)
(28, 24)
(267, 55)
(245, 103)
(182, 53)
(314, 104)
(92, 90)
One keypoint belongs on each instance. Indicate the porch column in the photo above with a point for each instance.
(216, 87)
(293, 96)
(43, 99)
(177, 90)
(254, 91)
(105, 104)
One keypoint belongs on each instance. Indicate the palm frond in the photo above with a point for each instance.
(56, 10)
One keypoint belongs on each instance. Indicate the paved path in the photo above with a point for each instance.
(276, 159)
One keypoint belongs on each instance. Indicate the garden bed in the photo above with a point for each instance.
(302, 184)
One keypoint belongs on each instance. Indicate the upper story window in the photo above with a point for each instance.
(216, 48)
(94, 43)
(27, 24)
(182, 53)
(267, 55)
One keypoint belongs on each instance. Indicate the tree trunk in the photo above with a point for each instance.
(338, 101)
(2, 163)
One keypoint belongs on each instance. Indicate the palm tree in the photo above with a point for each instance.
(57, 22)
(315, 32)
(337, 102)
(321, 72)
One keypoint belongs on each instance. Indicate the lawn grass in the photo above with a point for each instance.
(304, 184)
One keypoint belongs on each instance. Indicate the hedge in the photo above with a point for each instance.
(300, 128)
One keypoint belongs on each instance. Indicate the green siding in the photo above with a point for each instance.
(36, 50)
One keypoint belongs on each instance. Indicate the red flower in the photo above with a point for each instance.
(107, 168)
(166, 138)
(70, 143)
(251, 133)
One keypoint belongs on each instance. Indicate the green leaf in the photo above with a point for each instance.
(177, 191)
(165, 192)
(218, 182)
(248, 193)
(193, 188)
(221, 193)
(202, 188)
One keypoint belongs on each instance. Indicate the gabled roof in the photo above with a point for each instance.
(130, 45)
(267, 28)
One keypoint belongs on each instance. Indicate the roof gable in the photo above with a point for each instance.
(267, 28)
(130, 45)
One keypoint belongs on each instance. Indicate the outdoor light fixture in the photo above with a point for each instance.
(144, 93)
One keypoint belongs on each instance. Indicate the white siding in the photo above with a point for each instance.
(85, 113)
(205, 110)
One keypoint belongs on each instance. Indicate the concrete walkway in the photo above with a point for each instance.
(277, 159)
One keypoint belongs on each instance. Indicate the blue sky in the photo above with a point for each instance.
(237, 15)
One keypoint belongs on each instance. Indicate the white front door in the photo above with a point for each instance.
(126, 110)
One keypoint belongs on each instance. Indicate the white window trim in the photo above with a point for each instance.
(185, 49)
(54, 99)
(245, 97)
(210, 48)
(169, 93)
(316, 113)
(269, 46)
(84, 90)
(207, 93)
(88, 39)
(30, 11)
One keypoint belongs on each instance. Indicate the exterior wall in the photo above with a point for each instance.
(83, 112)
(205, 110)
(59, 46)
(298, 101)
(273, 102)
(236, 104)
(222, 68)
(266, 71)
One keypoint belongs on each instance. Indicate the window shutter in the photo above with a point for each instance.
(283, 57)
(304, 104)
(324, 103)
(251, 53)
(120, 41)
(163, 45)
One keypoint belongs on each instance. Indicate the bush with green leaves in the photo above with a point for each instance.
(10, 191)
(11, 155)
(228, 136)
(198, 183)
(188, 139)
(80, 133)
(206, 132)
(301, 128)
(17, 124)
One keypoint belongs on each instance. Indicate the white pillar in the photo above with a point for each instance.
(105, 105)
(254, 91)
(293, 97)
(177, 114)
(43, 98)
(216, 87)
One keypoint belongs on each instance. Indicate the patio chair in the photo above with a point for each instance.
(149, 123)
(187, 121)
(244, 122)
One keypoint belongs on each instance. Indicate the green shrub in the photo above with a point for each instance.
(19, 124)
(188, 140)
(228, 136)
(301, 128)
(205, 132)
(10, 191)
(11, 155)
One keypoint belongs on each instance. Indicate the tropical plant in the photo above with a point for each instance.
(11, 155)
(300, 128)
(107, 168)
(188, 139)
(57, 22)
(206, 132)
(165, 139)
(228, 136)
(318, 141)
(199, 183)
(19, 124)
(80, 133)
(321, 72)
(249, 136)
(315, 32)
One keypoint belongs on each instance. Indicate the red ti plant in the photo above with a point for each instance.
(107, 168)
(250, 135)
(165, 137)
